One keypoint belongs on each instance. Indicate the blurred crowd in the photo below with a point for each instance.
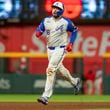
(93, 80)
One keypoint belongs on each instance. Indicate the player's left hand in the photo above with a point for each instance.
(69, 47)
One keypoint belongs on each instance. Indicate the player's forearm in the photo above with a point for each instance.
(73, 36)
(40, 29)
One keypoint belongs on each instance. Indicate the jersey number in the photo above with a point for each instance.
(48, 32)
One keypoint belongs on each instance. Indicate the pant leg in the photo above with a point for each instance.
(56, 57)
(66, 74)
(49, 84)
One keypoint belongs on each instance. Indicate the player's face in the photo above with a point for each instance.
(54, 11)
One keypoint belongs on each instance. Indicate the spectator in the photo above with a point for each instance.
(89, 82)
(98, 81)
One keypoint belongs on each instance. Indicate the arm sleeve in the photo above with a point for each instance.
(41, 27)
(73, 35)
(73, 29)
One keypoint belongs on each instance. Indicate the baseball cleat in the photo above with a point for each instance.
(78, 86)
(43, 100)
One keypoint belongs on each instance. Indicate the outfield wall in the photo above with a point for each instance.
(27, 83)
(92, 41)
(16, 83)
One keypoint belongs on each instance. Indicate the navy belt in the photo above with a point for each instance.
(52, 48)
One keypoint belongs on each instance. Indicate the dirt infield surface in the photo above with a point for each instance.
(55, 106)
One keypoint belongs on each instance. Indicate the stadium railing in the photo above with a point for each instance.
(34, 55)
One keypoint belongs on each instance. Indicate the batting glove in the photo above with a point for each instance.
(69, 47)
(38, 34)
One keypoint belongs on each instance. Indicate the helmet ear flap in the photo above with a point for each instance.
(59, 13)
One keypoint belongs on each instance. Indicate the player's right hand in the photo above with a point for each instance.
(38, 34)
(69, 47)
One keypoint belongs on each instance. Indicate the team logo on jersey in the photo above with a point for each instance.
(48, 21)
(60, 28)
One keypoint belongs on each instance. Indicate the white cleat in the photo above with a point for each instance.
(43, 100)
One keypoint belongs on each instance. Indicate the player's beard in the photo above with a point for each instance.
(55, 15)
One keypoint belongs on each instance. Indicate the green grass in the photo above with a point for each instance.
(80, 98)
(54, 98)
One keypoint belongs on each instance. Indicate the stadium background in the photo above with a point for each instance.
(27, 75)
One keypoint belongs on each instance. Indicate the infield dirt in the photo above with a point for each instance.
(55, 106)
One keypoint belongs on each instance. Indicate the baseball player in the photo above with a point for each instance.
(56, 28)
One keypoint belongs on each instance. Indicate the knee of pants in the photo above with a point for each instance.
(50, 71)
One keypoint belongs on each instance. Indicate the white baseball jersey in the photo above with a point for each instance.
(56, 30)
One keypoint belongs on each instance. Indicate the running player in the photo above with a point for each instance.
(56, 28)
